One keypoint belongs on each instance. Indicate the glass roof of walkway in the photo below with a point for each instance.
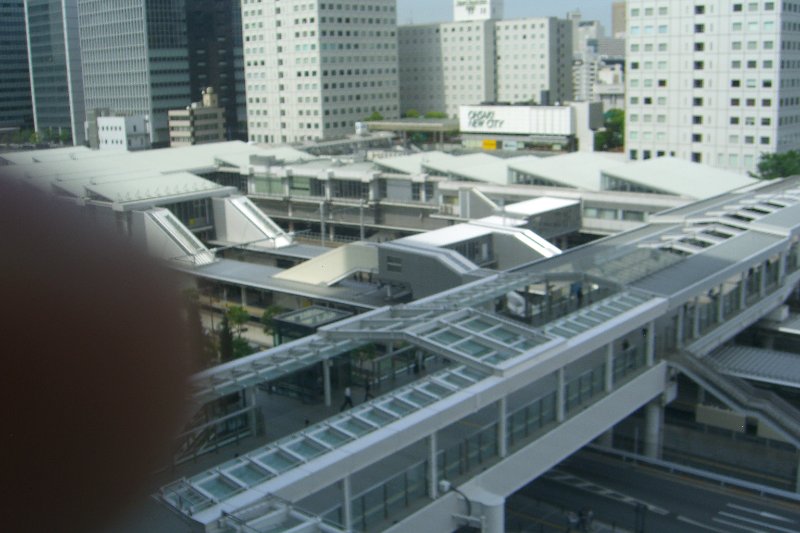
(225, 482)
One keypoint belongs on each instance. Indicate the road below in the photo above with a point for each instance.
(630, 497)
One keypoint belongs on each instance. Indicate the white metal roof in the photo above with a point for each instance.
(538, 206)
(680, 177)
(412, 164)
(579, 170)
(447, 236)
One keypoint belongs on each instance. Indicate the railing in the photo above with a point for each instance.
(767, 404)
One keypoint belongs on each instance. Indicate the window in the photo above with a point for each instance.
(697, 157)
(697, 138)
(699, 10)
(697, 119)
(699, 28)
(736, 83)
(734, 121)
(698, 65)
(765, 140)
(698, 84)
(697, 102)
(699, 47)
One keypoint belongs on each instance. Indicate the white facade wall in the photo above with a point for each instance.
(713, 81)
(534, 60)
(446, 66)
(314, 68)
(123, 133)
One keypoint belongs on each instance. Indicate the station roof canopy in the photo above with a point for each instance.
(579, 170)
(671, 175)
(416, 125)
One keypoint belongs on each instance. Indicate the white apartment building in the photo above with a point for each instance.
(444, 66)
(123, 133)
(713, 81)
(469, 62)
(314, 68)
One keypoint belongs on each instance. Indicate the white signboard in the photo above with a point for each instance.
(517, 120)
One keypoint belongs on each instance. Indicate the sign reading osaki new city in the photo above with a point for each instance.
(518, 120)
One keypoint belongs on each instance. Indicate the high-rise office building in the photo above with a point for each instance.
(55, 69)
(618, 19)
(135, 58)
(214, 31)
(145, 57)
(469, 62)
(315, 68)
(712, 82)
(15, 86)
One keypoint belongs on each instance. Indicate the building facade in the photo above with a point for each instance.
(135, 58)
(470, 62)
(712, 82)
(472, 10)
(15, 85)
(123, 133)
(313, 69)
(214, 32)
(200, 123)
(55, 69)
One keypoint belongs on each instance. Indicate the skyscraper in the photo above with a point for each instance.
(712, 82)
(135, 58)
(214, 31)
(55, 68)
(15, 86)
(472, 60)
(314, 68)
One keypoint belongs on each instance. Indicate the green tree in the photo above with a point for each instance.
(435, 114)
(65, 137)
(238, 317)
(412, 113)
(203, 343)
(242, 348)
(267, 322)
(773, 166)
(225, 340)
(374, 117)
(612, 137)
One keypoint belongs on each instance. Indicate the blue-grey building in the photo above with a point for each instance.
(55, 68)
(15, 87)
(135, 58)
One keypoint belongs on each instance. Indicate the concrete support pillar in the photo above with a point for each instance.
(650, 344)
(721, 304)
(561, 396)
(332, 232)
(494, 515)
(433, 466)
(244, 296)
(251, 400)
(782, 268)
(347, 504)
(502, 427)
(326, 382)
(762, 287)
(743, 292)
(696, 321)
(609, 377)
(681, 327)
(654, 422)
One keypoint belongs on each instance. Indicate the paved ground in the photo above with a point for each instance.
(619, 492)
